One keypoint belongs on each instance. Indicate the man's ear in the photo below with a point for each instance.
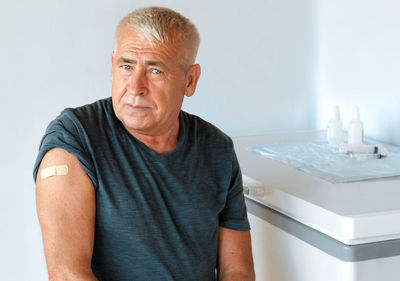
(193, 76)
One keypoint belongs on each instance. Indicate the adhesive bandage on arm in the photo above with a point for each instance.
(60, 170)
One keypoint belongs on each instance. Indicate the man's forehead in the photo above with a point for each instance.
(150, 56)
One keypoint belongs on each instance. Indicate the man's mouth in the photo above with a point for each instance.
(138, 108)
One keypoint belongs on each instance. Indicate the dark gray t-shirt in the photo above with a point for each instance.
(157, 215)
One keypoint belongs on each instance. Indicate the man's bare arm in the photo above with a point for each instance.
(66, 208)
(235, 260)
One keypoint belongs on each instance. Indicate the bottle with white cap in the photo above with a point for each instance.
(356, 128)
(335, 128)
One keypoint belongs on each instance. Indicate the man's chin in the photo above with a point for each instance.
(137, 127)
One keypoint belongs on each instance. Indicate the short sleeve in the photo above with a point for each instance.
(66, 133)
(234, 214)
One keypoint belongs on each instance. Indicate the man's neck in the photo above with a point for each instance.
(160, 143)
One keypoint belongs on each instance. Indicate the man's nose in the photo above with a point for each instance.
(138, 82)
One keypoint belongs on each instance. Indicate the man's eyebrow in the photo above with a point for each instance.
(126, 60)
(156, 63)
(150, 62)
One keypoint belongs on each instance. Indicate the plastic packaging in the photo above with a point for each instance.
(356, 129)
(335, 128)
(324, 161)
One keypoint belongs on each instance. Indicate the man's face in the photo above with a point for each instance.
(148, 84)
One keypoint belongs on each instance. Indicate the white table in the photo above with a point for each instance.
(351, 231)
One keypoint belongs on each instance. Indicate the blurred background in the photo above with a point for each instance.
(267, 66)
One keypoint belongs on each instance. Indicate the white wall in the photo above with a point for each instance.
(358, 64)
(258, 64)
(258, 60)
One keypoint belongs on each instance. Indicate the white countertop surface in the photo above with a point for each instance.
(353, 213)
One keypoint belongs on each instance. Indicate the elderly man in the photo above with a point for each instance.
(133, 188)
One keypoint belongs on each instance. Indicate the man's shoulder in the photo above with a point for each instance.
(86, 118)
(86, 115)
(89, 111)
(206, 131)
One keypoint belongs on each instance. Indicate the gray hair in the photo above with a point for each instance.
(163, 25)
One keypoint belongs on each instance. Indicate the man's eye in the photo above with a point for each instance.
(127, 67)
(156, 71)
